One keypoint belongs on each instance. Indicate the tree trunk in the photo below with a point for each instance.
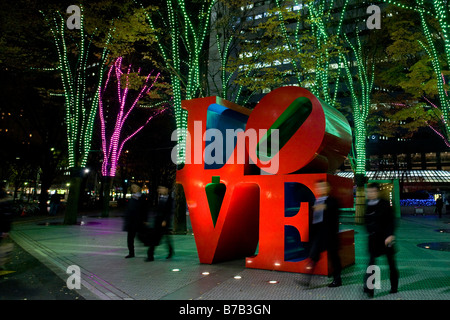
(179, 220)
(106, 188)
(360, 172)
(71, 214)
(360, 201)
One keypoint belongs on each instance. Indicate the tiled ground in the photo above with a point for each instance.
(98, 247)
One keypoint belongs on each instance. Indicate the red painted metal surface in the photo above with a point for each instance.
(252, 213)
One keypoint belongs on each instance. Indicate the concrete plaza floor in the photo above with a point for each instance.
(98, 247)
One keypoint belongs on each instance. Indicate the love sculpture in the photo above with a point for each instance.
(258, 211)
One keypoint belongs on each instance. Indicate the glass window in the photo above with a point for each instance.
(416, 158)
(430, 157)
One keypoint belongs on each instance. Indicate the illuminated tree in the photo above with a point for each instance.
(326, 48)
(262, 56)
(81, 100)
(434, 19)
(113, 136)
(296, 43)
(406, 67)
(182, 43)
(24, 95)
(327, 45)
(112, 147)
(402, 120)
(228, 37)
(315, 37)
(360, 91)
(360, 96)
(323, 46)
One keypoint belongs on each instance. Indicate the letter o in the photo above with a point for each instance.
(312, 135)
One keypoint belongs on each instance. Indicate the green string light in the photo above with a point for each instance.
(182, 30)
(322, 77)
(79, 118)
(435, 9)
(360, 101)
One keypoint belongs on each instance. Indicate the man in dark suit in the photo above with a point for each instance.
(163, 218)
(5, 213)
(439, 205)
(134, 217)
(380, 224)
(324, 231)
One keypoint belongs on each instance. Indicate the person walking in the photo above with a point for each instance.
(324, 231)
(55, 200)
(134, 217)
(439, 205)
(5, 213)
(163, 219)
(6, 246)
(380, 225)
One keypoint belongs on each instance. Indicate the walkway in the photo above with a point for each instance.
(98, 247)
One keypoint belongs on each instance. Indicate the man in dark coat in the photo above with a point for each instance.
(324, 230)
(135, 216)
(439, 205)
(5, 227)
(163, 217)
(5, 214)
(380, 224)
(55, 200)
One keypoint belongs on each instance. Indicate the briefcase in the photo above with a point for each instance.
(149, 236)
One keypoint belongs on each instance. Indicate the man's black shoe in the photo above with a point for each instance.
(129, 256)
(335, 283)
(370, 292)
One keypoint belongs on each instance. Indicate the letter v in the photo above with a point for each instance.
(236, 232)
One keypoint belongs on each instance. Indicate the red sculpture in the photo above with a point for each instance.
(260, 196)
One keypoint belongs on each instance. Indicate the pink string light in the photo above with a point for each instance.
(447, 143)
(443, 80)
(432, 104)
(113, 149)
(439, 134)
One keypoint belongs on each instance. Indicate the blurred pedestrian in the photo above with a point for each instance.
(439, 205)
(135, 216)
(5, 213)
(380, 224)
(55, 200)
(162, 222)
(6, 246)
(324, 231)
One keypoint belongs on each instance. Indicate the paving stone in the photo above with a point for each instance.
(98, 247)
